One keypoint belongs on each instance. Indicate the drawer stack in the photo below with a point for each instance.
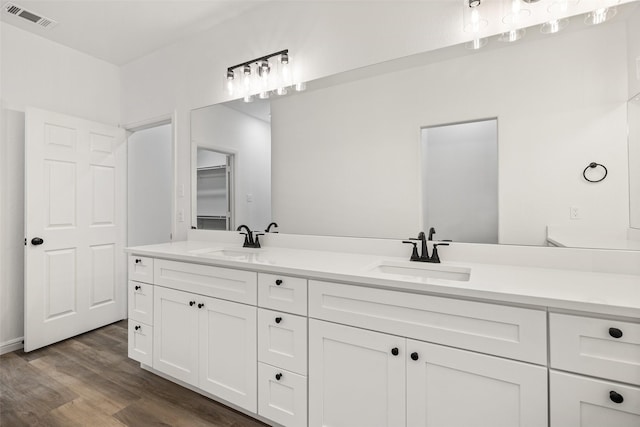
(140, 297)
(591, 347)
(282, 349)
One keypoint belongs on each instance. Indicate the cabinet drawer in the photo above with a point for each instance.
(586, 402)
(588, 346)
(512, 332)
(282, 340)
(282, 293)
(141, 269)
(225, 283)
(140, 298)
(282, 396)
(140, 342)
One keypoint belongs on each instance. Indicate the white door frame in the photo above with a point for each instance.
(151, 123)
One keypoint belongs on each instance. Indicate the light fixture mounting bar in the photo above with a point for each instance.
(262, 58)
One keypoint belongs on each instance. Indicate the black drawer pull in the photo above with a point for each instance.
(138, 327)
(137, 287)
(200, 305)
(395, 351)
(278, 319)
(615, 332)
(278, 376)
(414, 356)
(616, 397)
(138, 261)
(192, 303)
(278, 282)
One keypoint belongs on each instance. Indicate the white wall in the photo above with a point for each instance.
(346, 158)
(460, 181)
(149, 183)
(249, 139)
(37, 72)
(633, 52)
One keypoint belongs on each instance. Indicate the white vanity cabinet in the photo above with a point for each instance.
(140, 309)
(364, 378)
(359, 377)
(208, 343)
(590, 347)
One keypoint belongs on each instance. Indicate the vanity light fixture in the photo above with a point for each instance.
(557, 10)
(512, 35)
(262, 77)
(474, 22)
(553, 26)
(600, 15)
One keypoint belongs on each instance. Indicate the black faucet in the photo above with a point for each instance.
(249, 242)
(268, 230)
(424, 254)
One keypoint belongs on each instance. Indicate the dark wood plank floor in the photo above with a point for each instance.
(89, 381)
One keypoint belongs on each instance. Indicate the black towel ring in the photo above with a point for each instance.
(593, 165)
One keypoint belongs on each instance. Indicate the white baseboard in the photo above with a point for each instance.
(11, 345)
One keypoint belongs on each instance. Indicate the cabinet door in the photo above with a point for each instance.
(586, 402)
(228, 351)
(355, 380)
(175, 334)
(448, 387)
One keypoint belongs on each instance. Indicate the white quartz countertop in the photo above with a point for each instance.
(593, 292)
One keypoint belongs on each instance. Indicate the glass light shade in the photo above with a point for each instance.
(476, 44)
(512, 36)
(473, 20)
(301, 86)
(553, 26)
(514, 12)
(249, 98)
(600, 15)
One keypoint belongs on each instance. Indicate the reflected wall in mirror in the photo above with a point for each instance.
(241, 133)
(634, 163)
(346, 153)
(459, 164)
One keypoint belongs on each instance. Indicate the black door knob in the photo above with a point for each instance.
(616, 397)
(137, 327)
(37, 241)
(278, 319)
(278, 376)
(395, 351)
(278, 282)
(200, 305)
(192, 303)
(615, 332)
(137, 287)
(414, 356)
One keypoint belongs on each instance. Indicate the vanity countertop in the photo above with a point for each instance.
(594, 292)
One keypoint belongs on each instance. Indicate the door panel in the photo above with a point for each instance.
(75, 280)
(493, 392)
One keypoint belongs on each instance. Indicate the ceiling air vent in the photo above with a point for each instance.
(16, 10)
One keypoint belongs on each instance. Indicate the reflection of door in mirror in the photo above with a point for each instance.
(634, 161)
(214, 190)
(459, 166)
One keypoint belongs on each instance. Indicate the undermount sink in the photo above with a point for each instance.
(235, 254)
(419, 270)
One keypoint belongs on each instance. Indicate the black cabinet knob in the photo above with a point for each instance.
(615, 332)
(200, 305)
(278, 376)
(137, 287)
(395, 351)
(278, 282)
(138, 327)
(616, 397)
(414, 356)
(192, 303)
(37, 241)
(138, 261)
(278, 319)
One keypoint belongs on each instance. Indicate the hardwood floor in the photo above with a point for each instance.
(89, 381)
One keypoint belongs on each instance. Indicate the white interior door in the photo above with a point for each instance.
(75, 187)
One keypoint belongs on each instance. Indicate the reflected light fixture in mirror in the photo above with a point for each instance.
(262, 77)
(604, 11)
(474, 22)
(557, 9)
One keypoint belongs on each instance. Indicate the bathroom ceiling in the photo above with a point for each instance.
(122, 31)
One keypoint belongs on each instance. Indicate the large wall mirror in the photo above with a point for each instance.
(346, 157)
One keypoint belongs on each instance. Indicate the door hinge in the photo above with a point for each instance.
(25, 241)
